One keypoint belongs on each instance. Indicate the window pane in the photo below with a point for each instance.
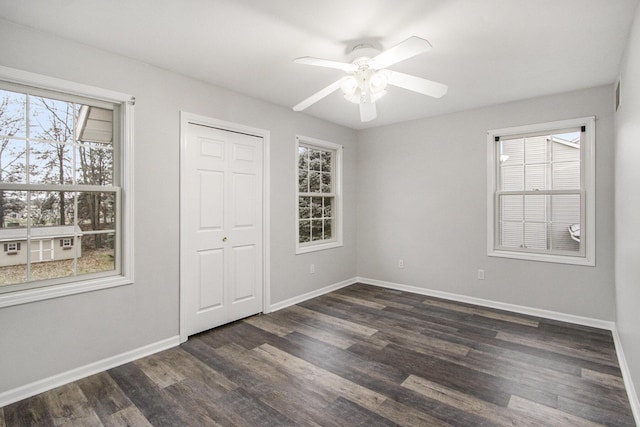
(48, 259)
(326, 183)
(304, 231)
(535, 235)
(536, 149)
(535, 208)
(536, 177)
(316, 207)
(12, 114)
(314, 182)
(96, 210)
(565, 208)
(565, 213)
(512, 151)
(328, 229)
(304, 207)
(512, 178)
(561, 238)
(566, 176)
(96, 253)
(94, 165)
(314, 160)
(303, 181)
(51, 208)
(511, 234)
(303, 158)
(511, 208)
(50, 119)
(328, 207)
(316, 230)
(13, 238)
(13, 274)
(50, 163)
(327, 161)
(13, 161)
(13, 210)
(94, 125)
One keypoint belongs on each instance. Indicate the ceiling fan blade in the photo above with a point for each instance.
(367, 111)
(318, 62)
(404, 50)
(416, 84)
(318, 96)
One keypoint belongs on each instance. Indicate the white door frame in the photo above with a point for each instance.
(185, 120)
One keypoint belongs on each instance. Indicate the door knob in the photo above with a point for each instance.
(224, 239)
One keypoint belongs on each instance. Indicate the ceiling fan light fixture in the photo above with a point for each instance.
(349, 85)
(377, 82)
(367, 75)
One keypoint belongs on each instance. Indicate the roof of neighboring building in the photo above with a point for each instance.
(20, 233)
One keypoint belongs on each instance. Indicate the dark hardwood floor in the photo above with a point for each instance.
(360, 356)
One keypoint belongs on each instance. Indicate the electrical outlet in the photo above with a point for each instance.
(400, 263)
(312, 268)
(480, 274)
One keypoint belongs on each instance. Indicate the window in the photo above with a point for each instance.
(64, 165)
(318, 193)
(541, 192)
(12, 248)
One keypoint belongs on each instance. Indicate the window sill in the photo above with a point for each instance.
(558, 259)
(57, 291)
(317, 247)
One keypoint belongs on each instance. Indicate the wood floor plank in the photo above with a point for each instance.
(287, 321)
(163, 374)
(547, 415)
(583, 353)
(612, 416)
(147, 397)
(464, 308)
(195, 398)
(603, 379)
(358, 301)
(360, 356)
(408, 415)
(300, 401)
(127, 417)
(104, 395)
(492, 412)
(254, 411)
(364, 397)
(68, 407)
(189, 367)
(28, 412)
(334, 321)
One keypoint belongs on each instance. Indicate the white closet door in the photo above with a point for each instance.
(221, 248)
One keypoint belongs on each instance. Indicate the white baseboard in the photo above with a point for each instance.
(304, 297)
(40, 386)
(537, 312)
(626, 375)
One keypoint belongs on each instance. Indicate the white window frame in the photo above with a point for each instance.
(66, 243)
(123, 274)
(12, 247)
(335, 242)
(587, 192)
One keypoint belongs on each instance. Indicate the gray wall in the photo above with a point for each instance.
(41, 339)
(422, 198)
(627, 195)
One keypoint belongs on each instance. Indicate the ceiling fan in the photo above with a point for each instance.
(367, 76)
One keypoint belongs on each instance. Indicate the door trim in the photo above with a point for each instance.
(190, 118)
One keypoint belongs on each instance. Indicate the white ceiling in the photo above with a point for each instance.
(486, 51)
